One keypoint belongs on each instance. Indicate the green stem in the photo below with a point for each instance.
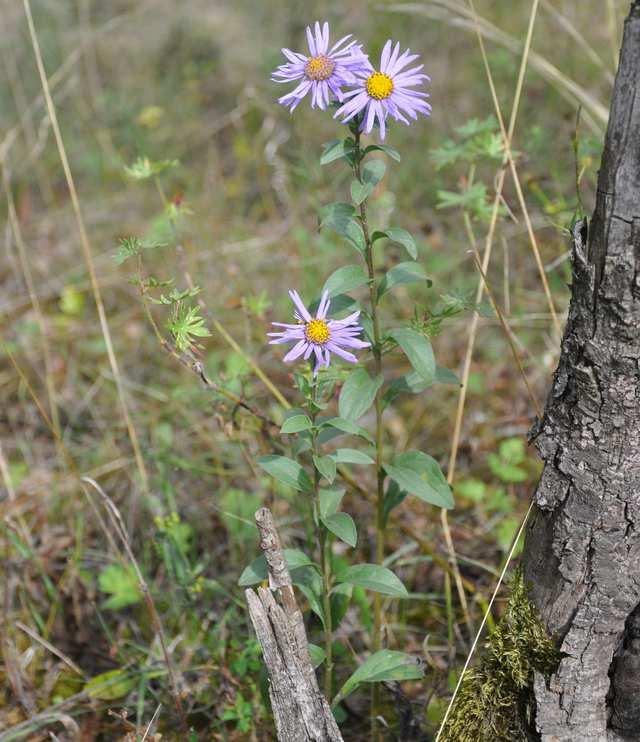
(324, 547)
(377, 358)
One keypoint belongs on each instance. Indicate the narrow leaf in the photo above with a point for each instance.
(296, 423)
(345, 279)
(287, 471)
(326, 466)
(373, 577)
(360, 191)
(330, 499)
(342, 526)
(393, 153)
(420, 475)
(373, 172)
(358, 394)
(383, 665)
(351, 456)
(402, 273)
(399, 235)
(418, 350)
(336, 150)
(258, 570)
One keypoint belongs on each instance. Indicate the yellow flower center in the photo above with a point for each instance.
(379, 86)
(319, 68)
(317, 331)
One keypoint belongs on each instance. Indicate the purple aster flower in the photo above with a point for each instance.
(324, 72)
(388, 90)
(319, 335)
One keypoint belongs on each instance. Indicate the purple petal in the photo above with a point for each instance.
(295, 298)
(384, 58)
(295, 352)
(323, 307)
(311, 43)
(341, 352)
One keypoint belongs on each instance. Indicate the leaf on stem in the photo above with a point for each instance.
(287, 471)
(420, 475)
(383, 665)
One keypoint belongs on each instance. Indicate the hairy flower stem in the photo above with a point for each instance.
(377, 357)
(324, 547)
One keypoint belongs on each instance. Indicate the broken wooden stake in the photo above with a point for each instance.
(300, 711)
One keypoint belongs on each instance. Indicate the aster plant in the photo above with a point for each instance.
(365, 100)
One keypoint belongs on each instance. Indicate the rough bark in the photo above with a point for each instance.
(300, 711)
(583, 542)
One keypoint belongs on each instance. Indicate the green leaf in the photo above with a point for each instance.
(122, 584)
(509, 473)
(411, 383)
(420, 475)
(288, 471)
(336, 149)
(418, 350)
(383, 665)
(360, 191)
(446, 376)
(393, 153)
(330, 499)
(512, 450)
(296, 423)
(185, 325)
(317, 655)
(393, 497)
(347, 426)
(144, 168)
(399, 235)
(340, 600)
(110, 685)
(403, 273)
(342, 526)
(258, 570)
(373, 172)
(351, 456)
(358, 394)
(345, 279)
(373, 577)
(326, 466)
(340, 218)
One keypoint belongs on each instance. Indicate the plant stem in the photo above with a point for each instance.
(377, 357)
(324, 546)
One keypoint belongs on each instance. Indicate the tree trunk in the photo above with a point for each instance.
(583, 543)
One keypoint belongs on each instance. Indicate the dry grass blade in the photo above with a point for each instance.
(47, 645)
(87, 253)
(120, 529)
(35, 302)
(507, 139)
(479, 292)
(508, 334)
(456, 14)
(484, 619)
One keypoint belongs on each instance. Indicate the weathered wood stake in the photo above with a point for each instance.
(300, 711)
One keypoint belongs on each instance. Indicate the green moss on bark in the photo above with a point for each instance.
(495, 702)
